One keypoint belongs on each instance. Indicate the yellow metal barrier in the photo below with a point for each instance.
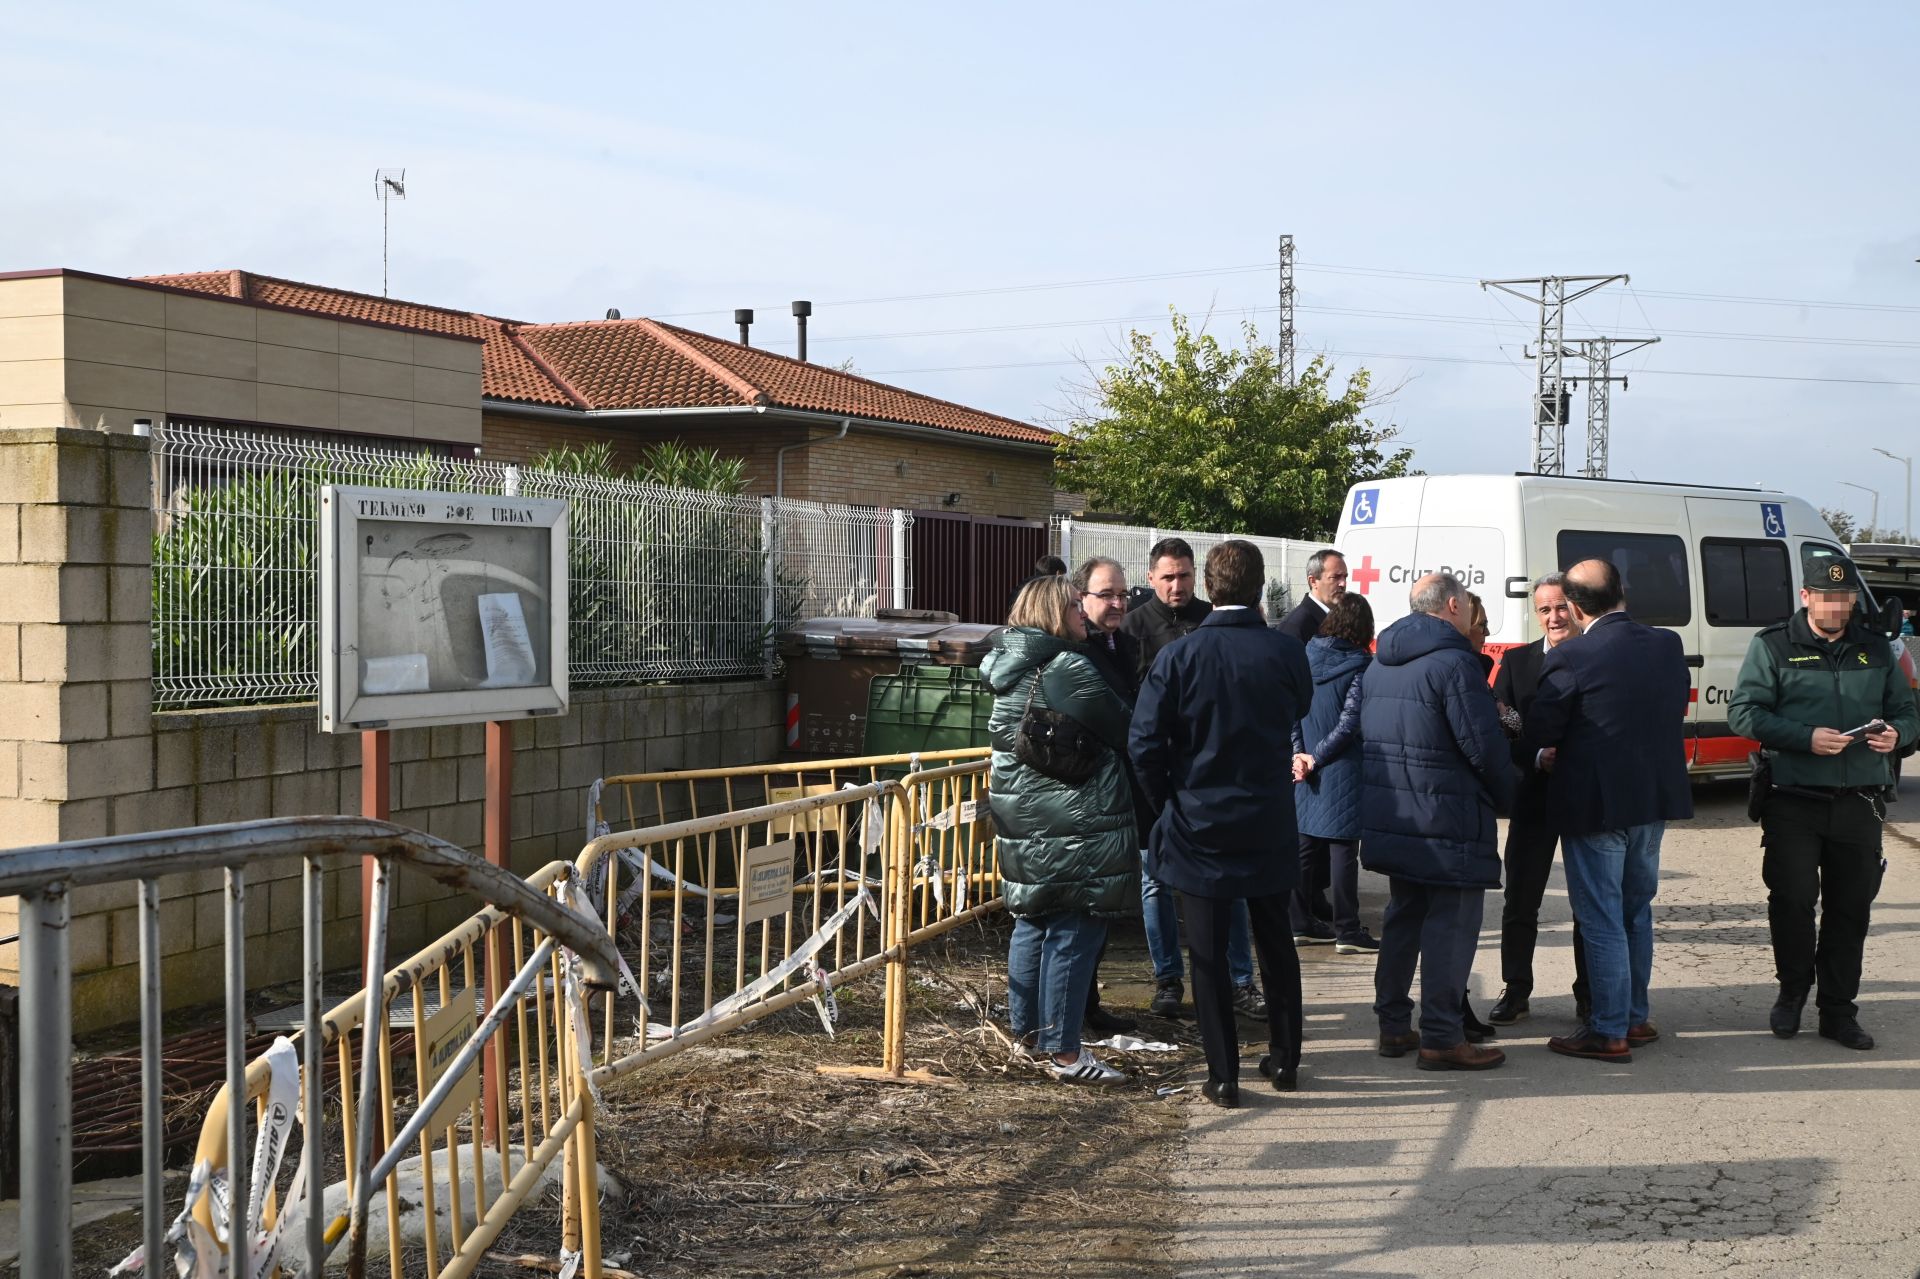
(917, 854)
(723, 919)
(633, 801)
(468, 1185)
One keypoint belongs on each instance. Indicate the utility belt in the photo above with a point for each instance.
(1760, 784)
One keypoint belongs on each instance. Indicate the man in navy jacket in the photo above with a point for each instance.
(1212, 747)
(1608, 721)
(1435, 767)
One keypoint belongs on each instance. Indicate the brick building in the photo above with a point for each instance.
(631, 383)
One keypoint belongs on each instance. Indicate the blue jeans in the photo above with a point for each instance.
(1436, 929)
(1612, 876)
(1161, 915)
(1049, 967)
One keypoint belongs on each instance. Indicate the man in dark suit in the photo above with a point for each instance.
(1212, 748)
(1531, 837)
(1610, 709)
(1326, 582)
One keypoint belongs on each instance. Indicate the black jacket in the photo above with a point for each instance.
(1614, 701)
(1212, 745)
(1515, 685)
(1119, 664)
(1303, 622)
(1435, 766)
(1155, 626)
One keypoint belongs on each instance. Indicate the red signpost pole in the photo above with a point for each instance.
(376, 801)
(498, 823)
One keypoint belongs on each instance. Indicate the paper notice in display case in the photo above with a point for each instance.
(441, 608)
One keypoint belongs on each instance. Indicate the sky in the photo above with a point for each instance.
(982, 200)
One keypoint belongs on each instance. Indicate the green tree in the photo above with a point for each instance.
(1211, 437)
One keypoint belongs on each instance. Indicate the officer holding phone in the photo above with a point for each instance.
(1823, 696)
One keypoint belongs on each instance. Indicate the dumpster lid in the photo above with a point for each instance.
(881, 635)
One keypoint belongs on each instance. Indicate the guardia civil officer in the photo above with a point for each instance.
(1805, 684)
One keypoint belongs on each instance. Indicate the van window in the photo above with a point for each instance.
(1653, 569)
(1746, 583)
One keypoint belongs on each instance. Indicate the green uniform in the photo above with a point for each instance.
(1793, 682)
(1821, 826)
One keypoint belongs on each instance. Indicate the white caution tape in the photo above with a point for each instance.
(574, 990)
(823, 1001)
(757, 989)
(930, 868)
(283, 1102)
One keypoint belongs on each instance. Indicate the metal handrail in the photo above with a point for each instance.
(43, 876)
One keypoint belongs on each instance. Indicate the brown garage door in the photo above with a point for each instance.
(968, 565)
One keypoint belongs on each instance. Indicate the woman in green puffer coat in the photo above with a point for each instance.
(1069, 858)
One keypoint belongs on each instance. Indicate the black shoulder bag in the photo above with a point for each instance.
(1054, 744)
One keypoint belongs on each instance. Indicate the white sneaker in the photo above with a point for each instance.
(1086, 1069)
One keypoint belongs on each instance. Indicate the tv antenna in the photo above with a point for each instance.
(388, 185)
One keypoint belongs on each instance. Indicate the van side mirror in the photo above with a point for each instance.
(1892, 614)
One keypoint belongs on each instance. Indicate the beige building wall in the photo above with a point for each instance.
(85, 351)
(870, 467)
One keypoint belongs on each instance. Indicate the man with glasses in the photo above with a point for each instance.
(1311, 908)
(1531, 837)
(1102, 584)
(1172, 612)
(1326, 582)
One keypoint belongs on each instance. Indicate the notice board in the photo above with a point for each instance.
(440, 608)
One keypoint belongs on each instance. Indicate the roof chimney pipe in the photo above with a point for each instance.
(744, 318)
(801, 310)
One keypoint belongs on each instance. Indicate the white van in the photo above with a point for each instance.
(1713, 565)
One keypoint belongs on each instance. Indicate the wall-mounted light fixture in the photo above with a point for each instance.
(993, 479)
(900, 468)
(951, 499)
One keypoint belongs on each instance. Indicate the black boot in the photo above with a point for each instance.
(1785, 1017)
(1844, 1031)
(1476, 1031)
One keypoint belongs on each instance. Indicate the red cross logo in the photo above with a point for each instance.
(1366, 575)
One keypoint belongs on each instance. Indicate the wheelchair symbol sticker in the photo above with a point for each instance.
(1366, 505)
(1773, 520)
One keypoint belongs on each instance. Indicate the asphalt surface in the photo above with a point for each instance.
(1720, 1150)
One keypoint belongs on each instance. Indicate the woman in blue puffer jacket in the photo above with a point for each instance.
(1326, 769)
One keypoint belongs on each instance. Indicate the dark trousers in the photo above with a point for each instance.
(1206, 921)
(1530, 845)
(1437, 930)
(1328, 865)
(1825, 851)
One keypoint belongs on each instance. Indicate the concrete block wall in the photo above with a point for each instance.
(235, 765)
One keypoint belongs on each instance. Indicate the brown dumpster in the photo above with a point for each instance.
(831, 661)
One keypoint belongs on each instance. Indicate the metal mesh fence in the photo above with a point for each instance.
(1286, 558)
(666, 584)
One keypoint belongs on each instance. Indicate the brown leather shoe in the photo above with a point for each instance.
(1462, 1056)
(1642, 1035)
(1591, 1046)
(1399, 1045)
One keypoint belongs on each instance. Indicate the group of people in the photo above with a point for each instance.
(1227, 778)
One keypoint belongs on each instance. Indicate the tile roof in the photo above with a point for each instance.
(625, 364)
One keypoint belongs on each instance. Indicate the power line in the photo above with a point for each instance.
(1434, 359)
(1422, 317)
(1321, 268)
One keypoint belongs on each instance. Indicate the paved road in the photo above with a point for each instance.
(1718, 1151)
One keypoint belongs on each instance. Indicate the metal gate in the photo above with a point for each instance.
(969, 565)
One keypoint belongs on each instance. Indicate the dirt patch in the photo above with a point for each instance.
(741, 1159)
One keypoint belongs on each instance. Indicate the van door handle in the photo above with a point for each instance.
(1695, 660)
(1516, 588)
